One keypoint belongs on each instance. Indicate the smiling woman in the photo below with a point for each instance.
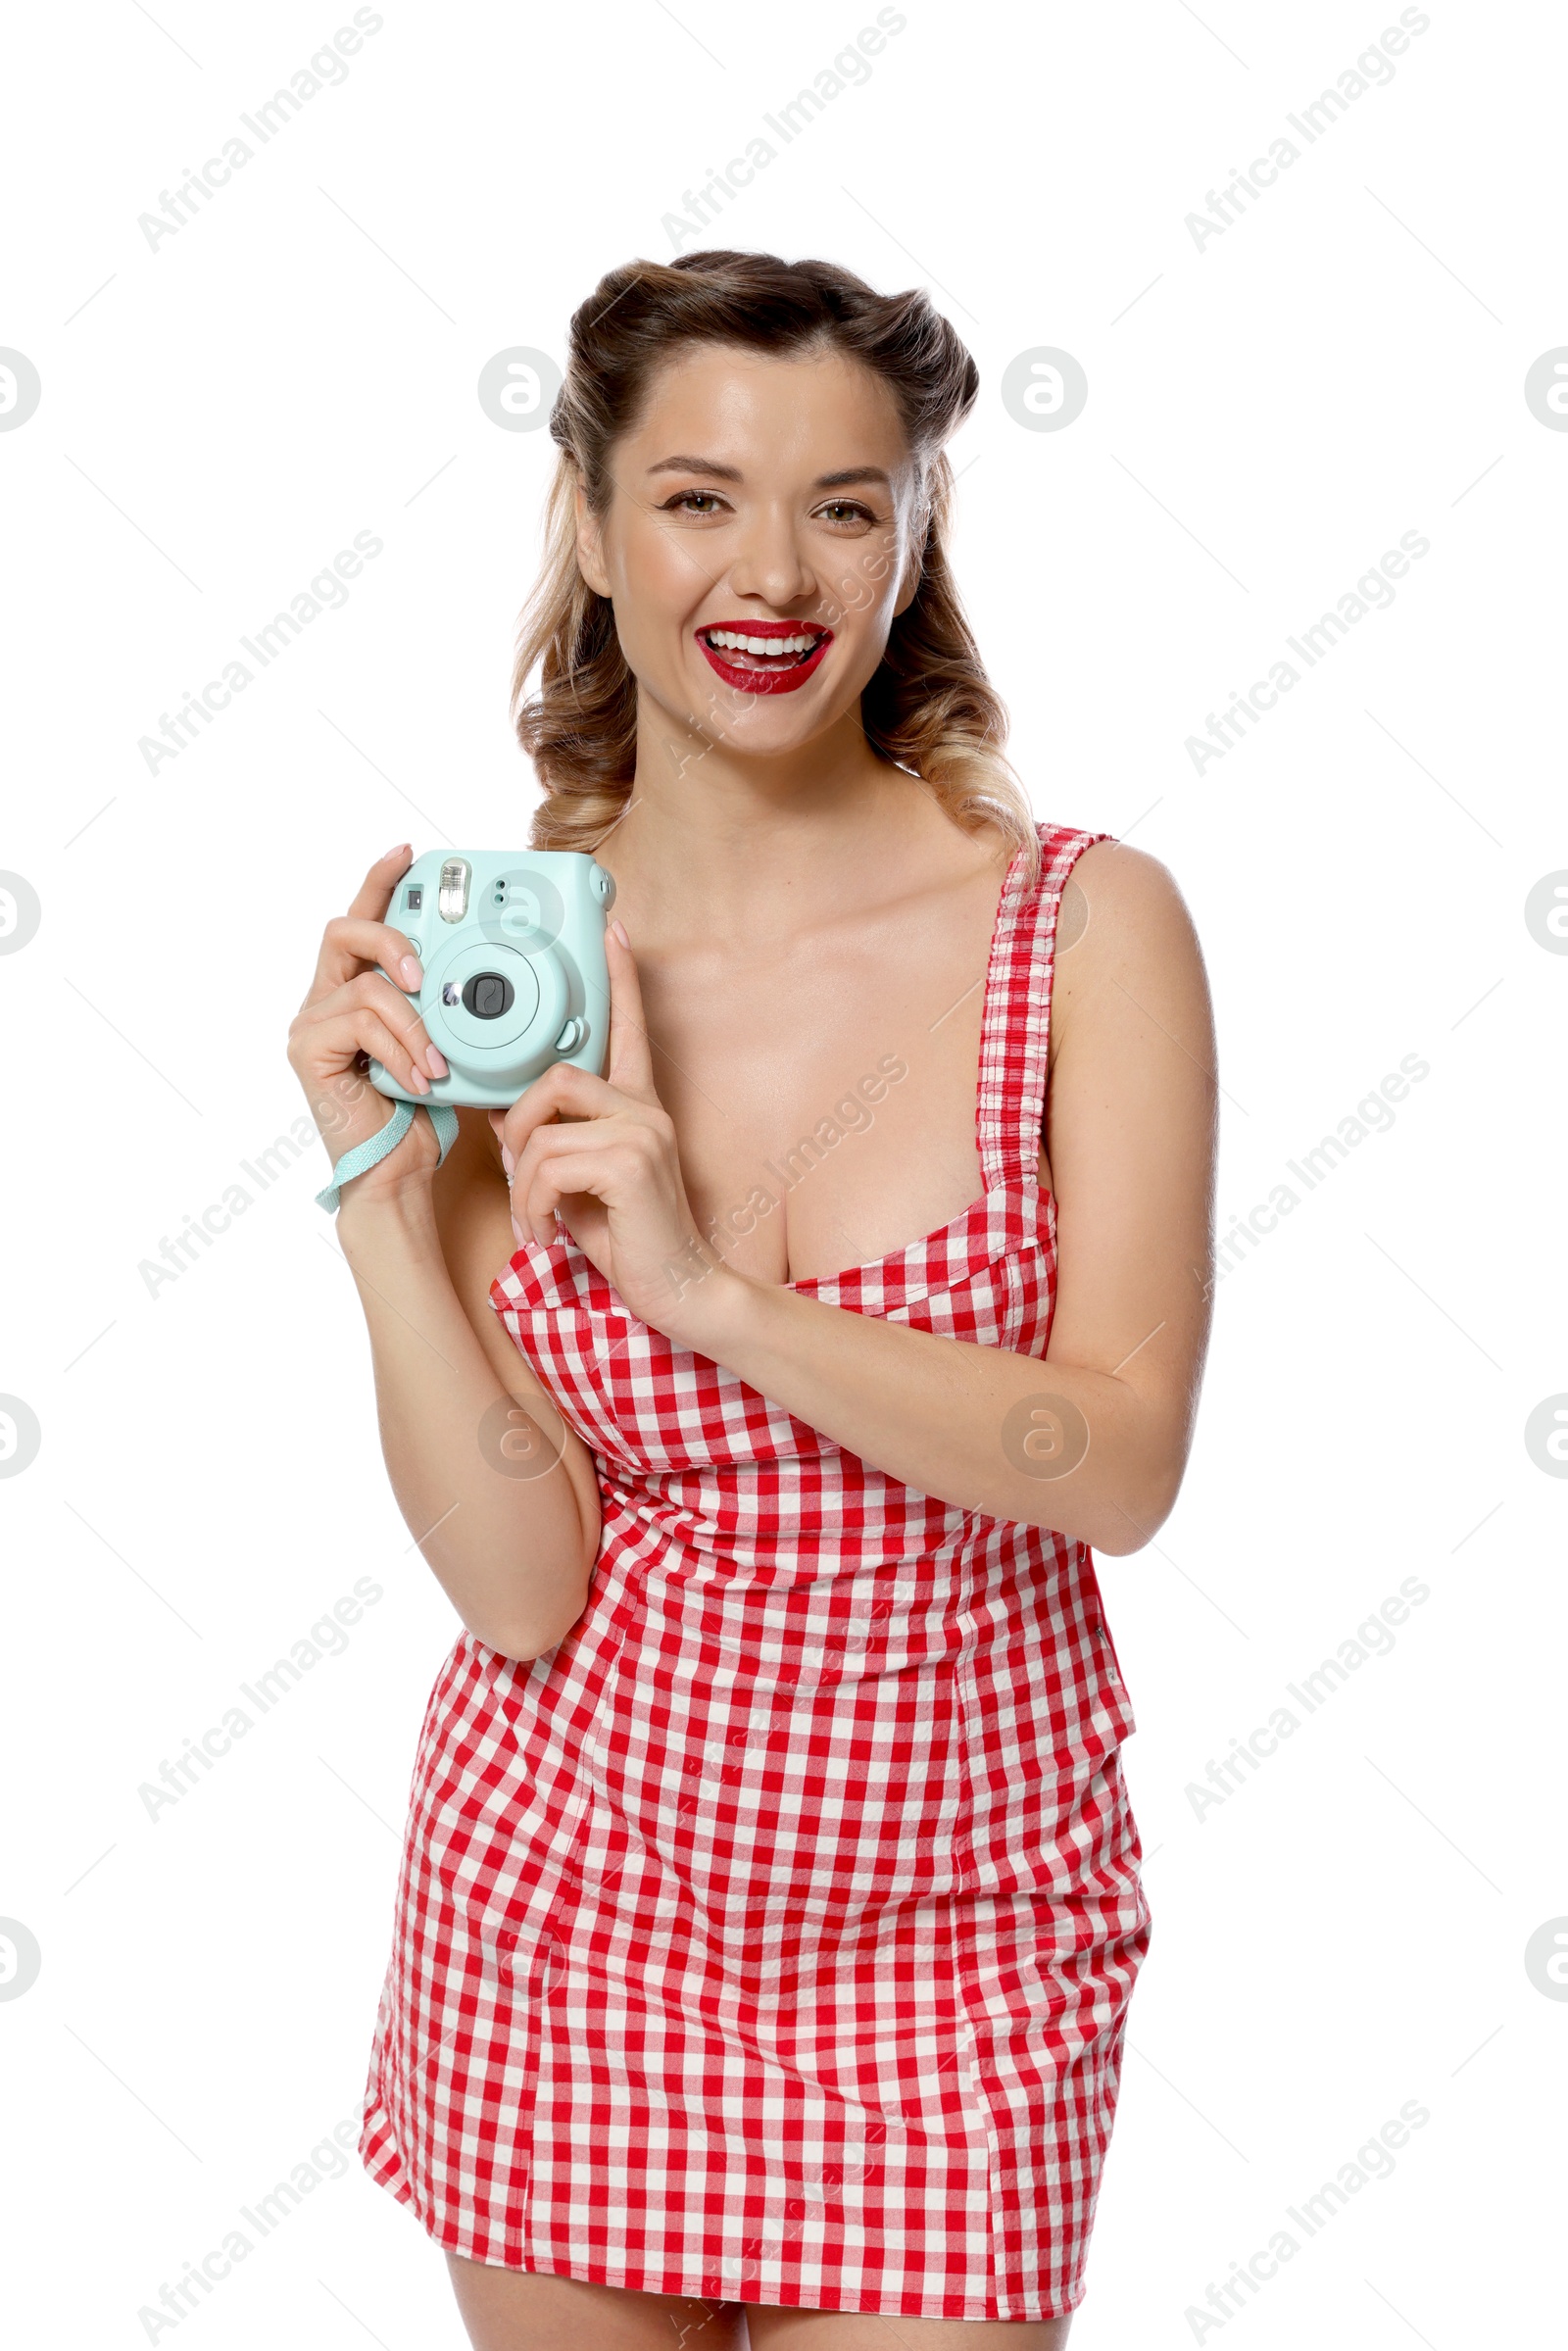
(886, 376)
(770, 1902)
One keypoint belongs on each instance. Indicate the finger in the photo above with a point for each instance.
(368, 990)
(533, 1208)
(552, 1139)
(350, 941)
(565, 1091)
(375, 894)
(606, 1172)
(358, 1028)
(579, 1141)
(631, 1061)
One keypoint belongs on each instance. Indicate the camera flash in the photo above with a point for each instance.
(452, 891)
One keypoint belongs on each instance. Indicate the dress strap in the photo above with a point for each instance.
(1016, 1033)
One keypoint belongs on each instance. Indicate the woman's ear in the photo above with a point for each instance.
(590, 552)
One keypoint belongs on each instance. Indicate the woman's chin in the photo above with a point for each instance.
(746, 726)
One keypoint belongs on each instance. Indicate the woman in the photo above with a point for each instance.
(770, 1902)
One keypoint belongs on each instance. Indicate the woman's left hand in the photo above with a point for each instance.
(603, 1151)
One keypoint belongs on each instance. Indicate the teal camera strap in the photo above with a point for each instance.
(366, 1154)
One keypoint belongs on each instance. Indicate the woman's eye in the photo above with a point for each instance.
(704, 503)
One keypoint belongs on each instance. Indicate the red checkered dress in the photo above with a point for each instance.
(770, 1938)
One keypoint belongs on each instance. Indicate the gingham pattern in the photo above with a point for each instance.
(770, 1938)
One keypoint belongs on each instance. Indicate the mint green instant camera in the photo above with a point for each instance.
(512, 946)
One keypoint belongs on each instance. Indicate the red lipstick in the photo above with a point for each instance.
(752, 665)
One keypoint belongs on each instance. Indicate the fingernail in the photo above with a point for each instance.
(619, 929)
(436, 1060)
(507, 1163)
(410, 972)
(399, 849)
(422, 1084)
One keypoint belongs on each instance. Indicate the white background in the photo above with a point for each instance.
(1266, 414)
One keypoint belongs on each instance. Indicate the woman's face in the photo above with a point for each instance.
(762, 498)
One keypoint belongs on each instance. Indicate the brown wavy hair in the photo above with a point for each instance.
(929, 708)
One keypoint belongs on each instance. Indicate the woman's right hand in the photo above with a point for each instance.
(353, 1011)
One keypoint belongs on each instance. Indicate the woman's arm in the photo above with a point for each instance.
(1092, 1439)
(501, 1496)
(499, 1492)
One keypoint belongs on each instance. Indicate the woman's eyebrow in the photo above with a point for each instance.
(841, 480)
(695, 465)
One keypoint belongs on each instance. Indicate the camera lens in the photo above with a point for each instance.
(487, 995)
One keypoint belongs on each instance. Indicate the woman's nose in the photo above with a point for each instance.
(771, 564)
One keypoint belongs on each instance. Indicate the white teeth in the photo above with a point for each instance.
(728, 640)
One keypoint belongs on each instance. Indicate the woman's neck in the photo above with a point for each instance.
(722, 842)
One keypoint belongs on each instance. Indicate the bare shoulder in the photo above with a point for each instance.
(1126, 898)
(1126, 942)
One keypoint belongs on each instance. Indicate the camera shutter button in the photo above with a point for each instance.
(570, 1037)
